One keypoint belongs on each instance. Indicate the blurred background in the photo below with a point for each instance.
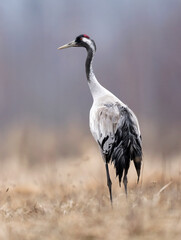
(44, 97)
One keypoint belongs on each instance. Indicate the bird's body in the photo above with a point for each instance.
(113, 125)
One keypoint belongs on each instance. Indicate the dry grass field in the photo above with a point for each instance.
(66, 197)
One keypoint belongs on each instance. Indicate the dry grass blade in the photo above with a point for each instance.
(156, 197)
(164, 187)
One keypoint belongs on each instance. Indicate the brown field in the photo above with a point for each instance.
(66, 197)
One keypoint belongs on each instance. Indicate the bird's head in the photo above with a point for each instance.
(81, 41)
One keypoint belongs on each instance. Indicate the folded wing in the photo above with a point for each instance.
(116, 130)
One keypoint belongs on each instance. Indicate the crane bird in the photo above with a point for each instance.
(113, 124)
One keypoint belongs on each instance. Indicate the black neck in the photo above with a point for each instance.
(88, 63)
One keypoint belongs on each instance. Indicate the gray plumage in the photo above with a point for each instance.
(115, 128)
(113, 125)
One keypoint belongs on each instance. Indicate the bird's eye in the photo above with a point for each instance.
(80, 39)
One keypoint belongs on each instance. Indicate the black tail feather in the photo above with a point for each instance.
(137, 163)
(119, 166)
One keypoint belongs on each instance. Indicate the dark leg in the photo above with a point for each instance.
(109, 183)
(125, 180)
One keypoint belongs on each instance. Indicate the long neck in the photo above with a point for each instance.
(96, 88)
(88, 64)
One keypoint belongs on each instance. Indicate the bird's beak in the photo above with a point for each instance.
(70, 44)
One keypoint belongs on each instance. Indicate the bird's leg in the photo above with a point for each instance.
(125, 180)
(109, 183)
